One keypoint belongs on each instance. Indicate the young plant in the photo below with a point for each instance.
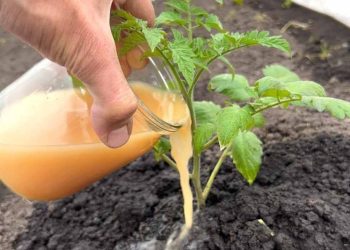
(175, 42)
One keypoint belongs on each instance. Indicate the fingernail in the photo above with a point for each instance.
(118, 137)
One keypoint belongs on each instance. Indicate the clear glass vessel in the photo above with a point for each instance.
(48, 148)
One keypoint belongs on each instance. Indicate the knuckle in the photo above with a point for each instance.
(119, 111)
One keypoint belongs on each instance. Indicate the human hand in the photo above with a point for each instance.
(76, 34)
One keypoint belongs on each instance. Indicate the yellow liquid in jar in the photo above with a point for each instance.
(49, 150)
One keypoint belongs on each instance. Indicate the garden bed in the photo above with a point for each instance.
(302, 193)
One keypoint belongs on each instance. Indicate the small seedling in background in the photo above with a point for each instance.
(325, 51)
(287, 3)
(172, 40)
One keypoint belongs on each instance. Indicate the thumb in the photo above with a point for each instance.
(114, 101)
(99, 68)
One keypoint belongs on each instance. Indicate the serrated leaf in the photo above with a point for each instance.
(235, 87)
(183, 56)
(130, 42)
(162, 147)
(247, 154)
(198, 44)
(222, 42)
(170, 17)
(202, 135)
(271, 87)
(123, 14)
(213, 22)
(127, 25)
(276, 42)
(179, 5)
(340, 109)
(231, 120)
(206, 112)
(305, 88)
(281, 73)
(198, 11)
(262, 38)
(153, 35)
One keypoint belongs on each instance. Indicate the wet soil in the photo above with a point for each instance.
(301, 199)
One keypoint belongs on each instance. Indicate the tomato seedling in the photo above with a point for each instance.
(174, 40)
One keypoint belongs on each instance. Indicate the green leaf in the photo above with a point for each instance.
(153, 35)
(206, 112)
(170, 17)
(130, 42)
(162, 147)
(179, 5)
(183, 56)
(235, 87)
(222, 42)
(281, 73)
(247, 154)
(206, 117)
(220, 1)
(340, 109)
(202, 135)
(276, 42)
(198, 44)
(213, 22)
(259, 120)
(116, 32)
(127, 25)
(198, 11)
(271, 87)
(231, 120)
(305, 88)
(262, 38)
(123, 14)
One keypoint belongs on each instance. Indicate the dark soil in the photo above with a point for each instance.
(301, 199)
(302, 194)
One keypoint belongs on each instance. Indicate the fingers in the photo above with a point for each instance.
(142, 9)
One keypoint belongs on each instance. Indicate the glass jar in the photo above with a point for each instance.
(36, 112)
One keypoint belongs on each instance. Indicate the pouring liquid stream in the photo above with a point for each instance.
(49, 150)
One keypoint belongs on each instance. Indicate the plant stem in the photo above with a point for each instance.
(210, 143)
(196, 159)
(189, 21)
(215, 172)
(170, 162)
(275, 104)
(196, 181)
(176, 75)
